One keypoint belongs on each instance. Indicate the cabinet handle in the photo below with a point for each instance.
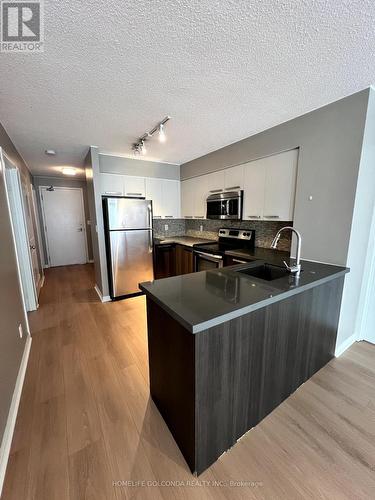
(113, 192)
(240, 261)
(272, 216)
(188, 216)
(133, 194)
(215, 190)
(198, 216)
(157, 216)
(254, 216)
(233, 187)
(168, 216)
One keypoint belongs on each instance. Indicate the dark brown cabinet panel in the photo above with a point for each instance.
(214, 386)
(164, 261)
(184, 260)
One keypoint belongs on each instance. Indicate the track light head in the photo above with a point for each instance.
(162, 136)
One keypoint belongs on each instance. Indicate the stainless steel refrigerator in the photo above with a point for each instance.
(128, 234)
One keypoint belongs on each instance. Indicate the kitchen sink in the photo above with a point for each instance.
(267, 272)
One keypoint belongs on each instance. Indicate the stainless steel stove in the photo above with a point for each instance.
(211, 255)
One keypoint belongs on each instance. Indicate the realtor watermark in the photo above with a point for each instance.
(22, 26)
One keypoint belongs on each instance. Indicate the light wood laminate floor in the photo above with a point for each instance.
(87, 427)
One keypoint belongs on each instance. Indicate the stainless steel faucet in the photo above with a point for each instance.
(296, 269)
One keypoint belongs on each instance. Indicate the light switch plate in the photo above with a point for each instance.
(166, 227)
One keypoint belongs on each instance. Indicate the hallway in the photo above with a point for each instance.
(87, 428)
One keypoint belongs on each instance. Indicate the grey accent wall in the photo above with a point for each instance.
(96, 216)
(128, 166)
(330, 142)
(336, 167)
(11, 307)
(63, 182)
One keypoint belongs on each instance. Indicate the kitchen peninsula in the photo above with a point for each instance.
(227, 346)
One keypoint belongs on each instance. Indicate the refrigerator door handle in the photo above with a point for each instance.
(149, 215)
(150, 249)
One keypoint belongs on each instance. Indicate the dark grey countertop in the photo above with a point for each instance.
(187, 241)
(202, 300)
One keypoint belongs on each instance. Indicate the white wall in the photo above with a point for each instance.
(360, 246)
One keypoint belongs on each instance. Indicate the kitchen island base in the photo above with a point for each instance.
(213, 386)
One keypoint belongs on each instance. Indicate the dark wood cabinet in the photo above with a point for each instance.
(213, 386)
(184, 260)
(164, 261)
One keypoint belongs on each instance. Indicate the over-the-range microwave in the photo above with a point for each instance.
(225, 205)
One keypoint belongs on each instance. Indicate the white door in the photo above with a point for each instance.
(64, 221)
(187, 198)
(33, 244)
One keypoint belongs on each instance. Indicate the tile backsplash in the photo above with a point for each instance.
(264, 230)
(176, 227)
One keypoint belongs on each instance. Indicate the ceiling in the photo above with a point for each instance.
(223, 70)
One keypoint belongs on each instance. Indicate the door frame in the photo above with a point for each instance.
(38, 232)
(45, 231)
(26, 280)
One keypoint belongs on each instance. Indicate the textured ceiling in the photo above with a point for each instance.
(223, 70)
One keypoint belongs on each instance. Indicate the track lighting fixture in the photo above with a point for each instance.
(139, 147)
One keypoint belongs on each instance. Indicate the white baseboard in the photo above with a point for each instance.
(46, 266)
(340, 349)
(91, 261)
(103, 298)
(12, 415)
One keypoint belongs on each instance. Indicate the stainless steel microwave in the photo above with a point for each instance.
(226, 205)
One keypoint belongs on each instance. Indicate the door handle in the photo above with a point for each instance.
(80, 230)
(32, 247)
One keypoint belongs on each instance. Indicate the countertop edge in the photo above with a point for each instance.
(199, 327)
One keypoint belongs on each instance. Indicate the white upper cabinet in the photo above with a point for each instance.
(154, 192)
(171, 199)
(111, 185)
(234, 178)
(254, 185)
(188, 198)
(134, 186)
(269, 187)
(214, 181)
(279, 193)
(165, 196)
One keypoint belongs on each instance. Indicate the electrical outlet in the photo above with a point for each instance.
(20, 331)
(166, 227)
(201, 228)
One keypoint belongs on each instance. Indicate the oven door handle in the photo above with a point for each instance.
(213, 256)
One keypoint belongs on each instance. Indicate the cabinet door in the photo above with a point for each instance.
(233, 178)
(154, 193)
(254, 185)
(184, 260)
(111, 184)
(280, 186)
(215, 181)
(134, 186)
(201, 186)
(164, 261)
(171, 199)
(187, 198)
